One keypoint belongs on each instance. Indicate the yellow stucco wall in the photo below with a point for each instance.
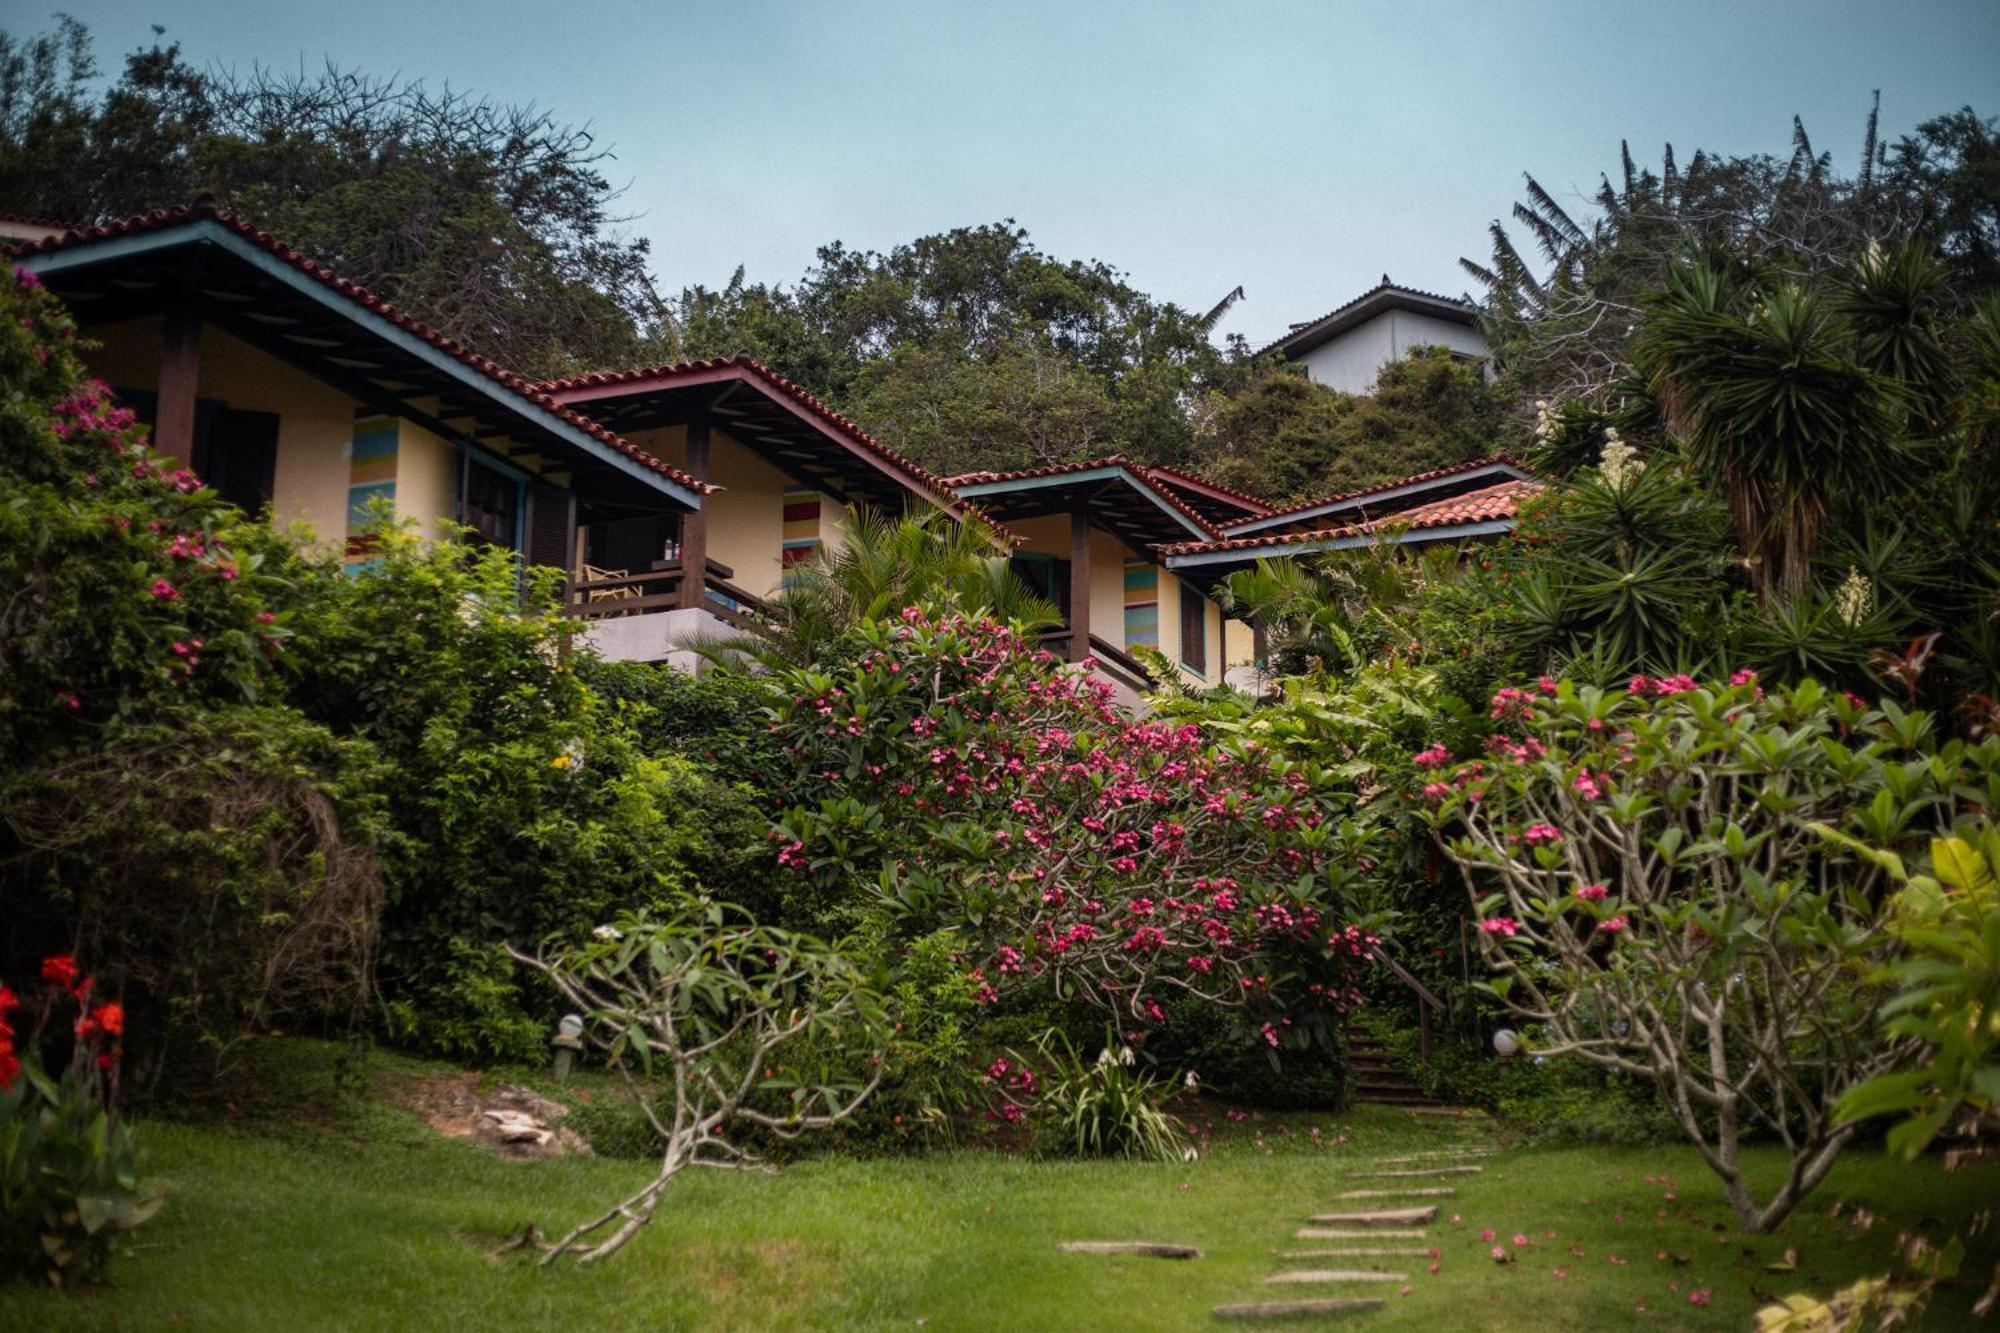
(1239, 643)
(315, 423)
(746, 519)
(426, 478)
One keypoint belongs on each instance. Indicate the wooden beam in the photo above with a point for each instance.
(694, 525)
(1079, 581)
(180, 383)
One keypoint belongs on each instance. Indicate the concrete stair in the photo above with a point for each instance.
(1375, 1079)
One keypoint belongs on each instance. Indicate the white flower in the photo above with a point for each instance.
(608, 933)
(1192, 1081)
(1126, 1058)
(1854, 598)
(1619, 461)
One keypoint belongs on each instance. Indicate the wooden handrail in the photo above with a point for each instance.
(659, 590)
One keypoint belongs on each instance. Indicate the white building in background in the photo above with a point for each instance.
(1347, 348)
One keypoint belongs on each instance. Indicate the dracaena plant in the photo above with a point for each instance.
(1658, 894)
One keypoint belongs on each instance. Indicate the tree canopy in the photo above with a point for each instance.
(493, 222)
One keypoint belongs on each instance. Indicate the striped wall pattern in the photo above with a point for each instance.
(802, 512)
(1142, 603)
(371, 475)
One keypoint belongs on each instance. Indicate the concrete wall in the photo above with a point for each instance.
(1352, 361)
(315, 423)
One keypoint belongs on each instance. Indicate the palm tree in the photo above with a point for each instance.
(881, 565)
(1760, 383)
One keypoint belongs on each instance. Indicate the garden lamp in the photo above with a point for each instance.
(567, 1041)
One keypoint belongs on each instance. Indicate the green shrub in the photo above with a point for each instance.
(519, 800)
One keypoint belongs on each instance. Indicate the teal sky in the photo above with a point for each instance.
(1300, 150)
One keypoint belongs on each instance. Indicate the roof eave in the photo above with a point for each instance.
(1341, 542)
(209, 231)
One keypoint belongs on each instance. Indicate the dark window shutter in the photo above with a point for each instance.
(236, 453)
(1194, 630)
(550, 523)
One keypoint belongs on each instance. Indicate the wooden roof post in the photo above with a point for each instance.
(1079, 580)
(694, 523)
(180, 381)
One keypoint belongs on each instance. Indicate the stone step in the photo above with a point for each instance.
(1373, 1233)
(1404, 1159)
(1146, 1247)
(1452, 1112)
(1299, 1309)
(1337, 1275)
(1388, 1217)
(1444, 1192)
(1419, 1172)
(1359, 1252)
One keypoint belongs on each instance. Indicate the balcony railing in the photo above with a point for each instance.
(603, 596)
(1114, 661)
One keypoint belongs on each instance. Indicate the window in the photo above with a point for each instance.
(1194, 631)
(236, 453)
(1045, 576)
(493, 504)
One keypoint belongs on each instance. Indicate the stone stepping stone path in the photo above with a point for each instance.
(1388, 1217)
(1336, 1275)
(1147, 1247)
(1370, 1225)
(1299, 1309)
(1418, 1158)
(1420, 1172)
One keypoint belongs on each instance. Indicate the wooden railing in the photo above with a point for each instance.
(660, 590)
(1427, 1002)
(1121, 665)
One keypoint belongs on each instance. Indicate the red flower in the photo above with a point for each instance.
(62, 970)
(110, 1018)
(8, 1000)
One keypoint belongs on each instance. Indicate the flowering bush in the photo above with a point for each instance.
(68, 1180)
(1127, 865)
(205, 845)
(1687, 882)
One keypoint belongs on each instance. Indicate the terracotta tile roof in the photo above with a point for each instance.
(26, 220)
(1172, 475)
(1493, 503)
(1345, 497)
(771, 378)
(1139, 471)
(361, 296)
(1385, 294)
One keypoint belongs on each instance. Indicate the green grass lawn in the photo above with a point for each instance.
(364, 1219)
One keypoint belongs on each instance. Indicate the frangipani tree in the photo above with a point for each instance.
(1681, 882)
(696, 1012)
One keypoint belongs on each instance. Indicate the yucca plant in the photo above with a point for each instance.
(1761, 382)
(1104, 1107)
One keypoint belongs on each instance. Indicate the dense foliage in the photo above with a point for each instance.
(493, 222)
(519, 801)
(1560, 323)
